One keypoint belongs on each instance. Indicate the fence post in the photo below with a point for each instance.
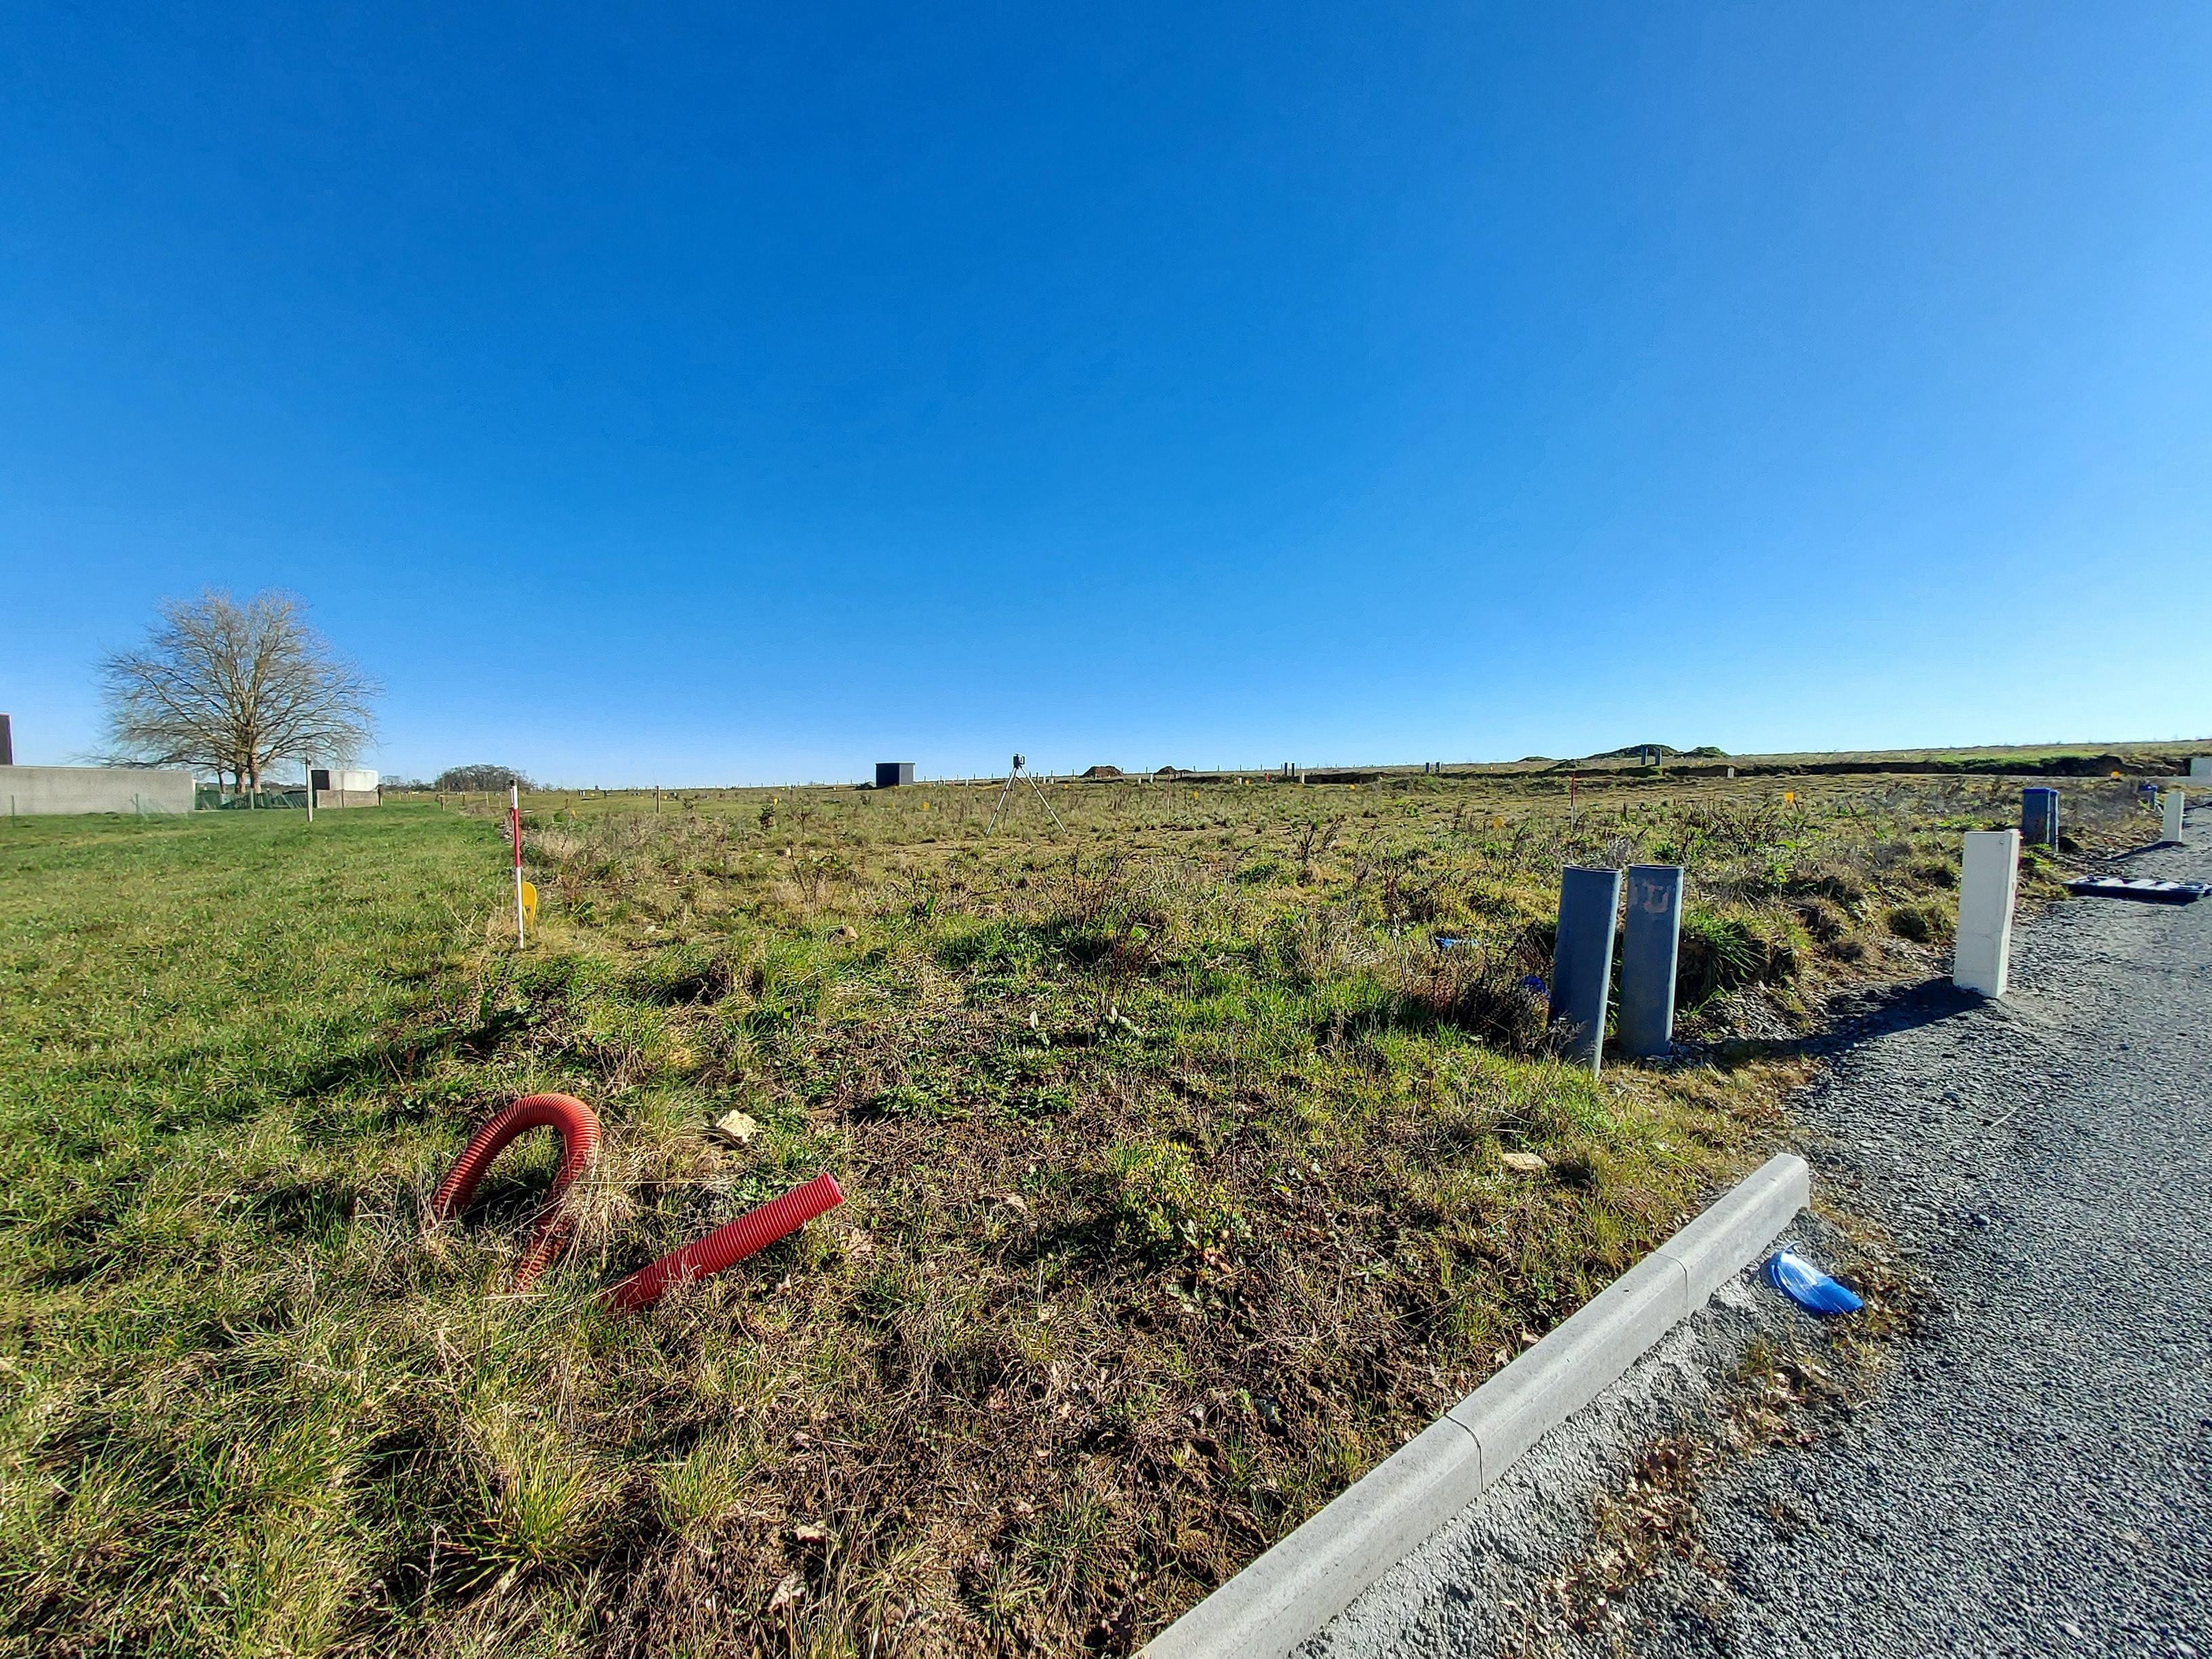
(1651, 943)
(1582, 961)
(1988, 878)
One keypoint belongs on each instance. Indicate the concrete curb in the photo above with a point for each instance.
(1313, 1575)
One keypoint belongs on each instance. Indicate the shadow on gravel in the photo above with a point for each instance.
(1856, 1016)
(2132, 852)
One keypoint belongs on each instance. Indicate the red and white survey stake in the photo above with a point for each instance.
(514, 825)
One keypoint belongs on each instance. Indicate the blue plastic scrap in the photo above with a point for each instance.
(1807, 1286)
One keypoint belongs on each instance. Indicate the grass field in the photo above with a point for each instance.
(1172, 1143)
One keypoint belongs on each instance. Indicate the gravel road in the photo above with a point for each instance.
(2034, 1474)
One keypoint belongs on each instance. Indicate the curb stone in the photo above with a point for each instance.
(1308, 1578)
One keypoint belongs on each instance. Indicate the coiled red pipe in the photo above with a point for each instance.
(580, 1136)
(756, 1229)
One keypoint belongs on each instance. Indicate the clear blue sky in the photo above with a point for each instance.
(709, 393)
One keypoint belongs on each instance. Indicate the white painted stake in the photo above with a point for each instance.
(514, 822)
(2173, 804)
(1988, 882)
(308, 760)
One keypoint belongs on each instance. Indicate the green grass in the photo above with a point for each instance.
(1172, 1149)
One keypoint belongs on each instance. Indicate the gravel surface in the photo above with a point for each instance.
(2034, 1474)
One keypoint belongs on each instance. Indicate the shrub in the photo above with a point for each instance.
(483, 778)
(1163, 1209)
(1924, 924)
(1719, 954)
(1824, 919)
(1460, 987)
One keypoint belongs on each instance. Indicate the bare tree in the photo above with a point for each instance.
(229, 688)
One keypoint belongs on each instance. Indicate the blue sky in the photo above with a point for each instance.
(704, 394)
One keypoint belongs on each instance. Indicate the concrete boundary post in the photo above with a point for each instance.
(1989, 879)
(2175, 803)
(1582, 962)
(1650, 946)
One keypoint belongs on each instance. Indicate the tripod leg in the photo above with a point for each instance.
(1001, 806)
(1042, 802)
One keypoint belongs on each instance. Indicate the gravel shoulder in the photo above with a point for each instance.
(2034, 1473)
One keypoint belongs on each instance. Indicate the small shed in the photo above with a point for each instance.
(336, 787)
(890, 774)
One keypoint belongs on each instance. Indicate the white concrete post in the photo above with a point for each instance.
(1987, 880)
(2173, 803)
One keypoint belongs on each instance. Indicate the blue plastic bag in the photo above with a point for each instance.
(1807, 1286)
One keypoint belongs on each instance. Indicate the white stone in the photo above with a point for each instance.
(1310, 1576)
(1713, 1248)
(1313, 1575)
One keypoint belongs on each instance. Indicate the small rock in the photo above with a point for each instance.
(786, 1593)
(735, 1126)
(1525, 1163)
(810, 1535)
(849, 933)
(1015, 1202)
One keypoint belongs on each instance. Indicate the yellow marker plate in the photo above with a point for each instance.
(529, 900)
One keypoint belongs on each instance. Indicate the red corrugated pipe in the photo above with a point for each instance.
(756, 1229)
(580, 1134)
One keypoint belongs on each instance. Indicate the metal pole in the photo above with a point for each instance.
(515, 822)
(1651, 947)
(1039, 793)
(308, 761)
(1003, 793)
(1582, 962)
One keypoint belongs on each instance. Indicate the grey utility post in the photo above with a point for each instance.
(2038, 817)
(1650, 942)
(1582, 961)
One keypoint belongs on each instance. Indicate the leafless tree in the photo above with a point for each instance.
(229, 688)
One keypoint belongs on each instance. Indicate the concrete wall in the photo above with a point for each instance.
(330, 800)
(42, 791)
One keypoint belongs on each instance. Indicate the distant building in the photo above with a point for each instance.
(133, 791)
(64, 790)
(335, 787)
(890, 774)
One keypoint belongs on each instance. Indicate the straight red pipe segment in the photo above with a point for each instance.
(756, 1229)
